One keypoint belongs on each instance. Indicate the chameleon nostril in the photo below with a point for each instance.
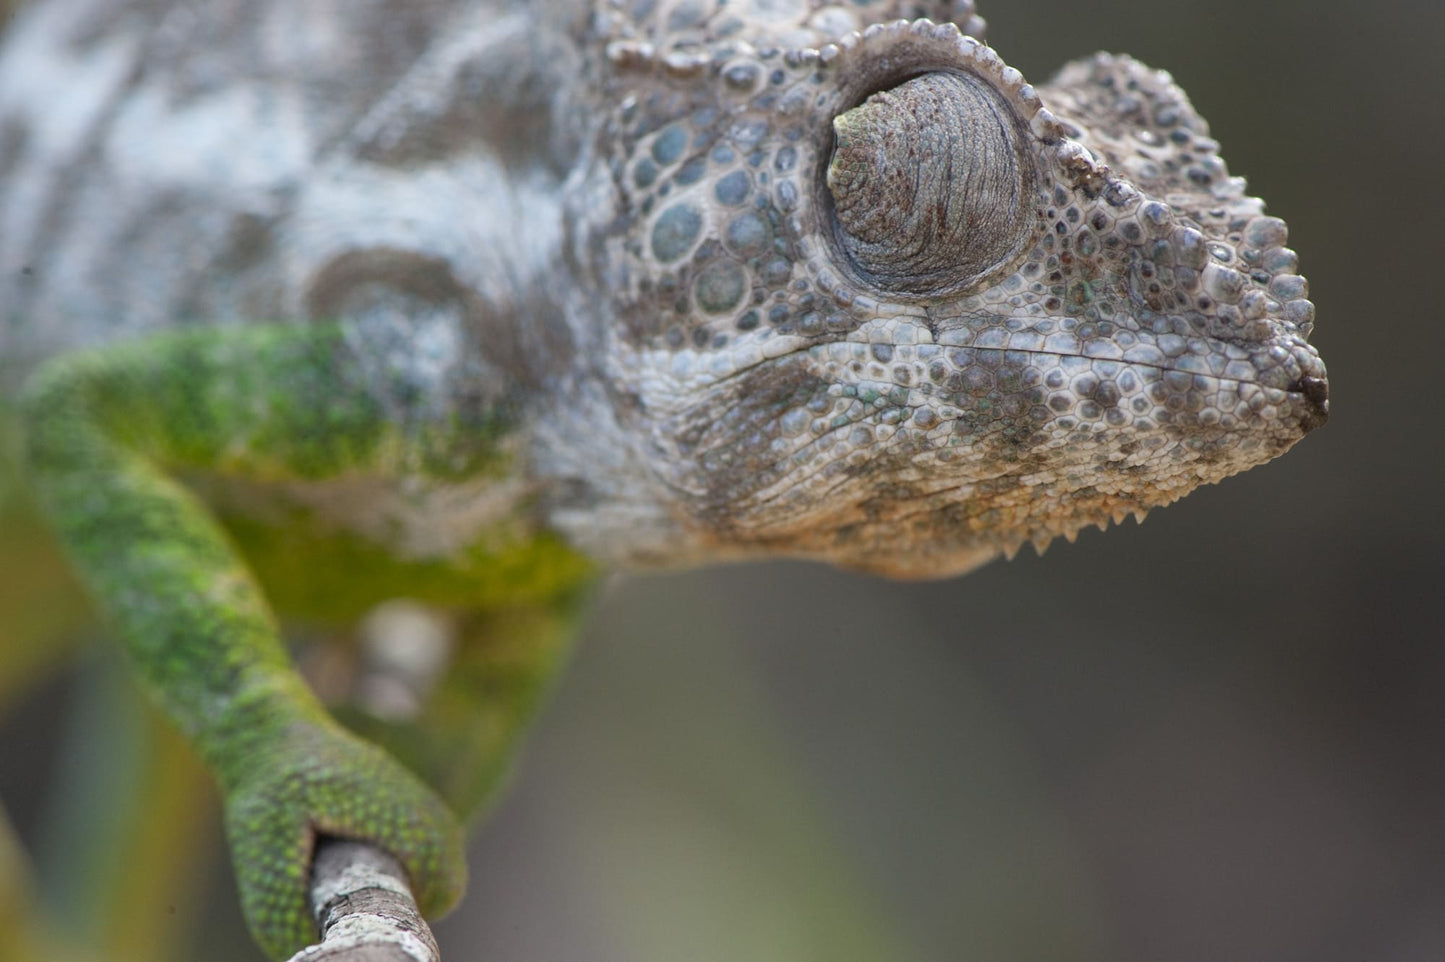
(1317, 391)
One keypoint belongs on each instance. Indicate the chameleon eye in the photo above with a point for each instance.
(928, 184)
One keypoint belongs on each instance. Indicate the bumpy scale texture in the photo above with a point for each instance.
(191, 613)
(893, 307)
(638, 283)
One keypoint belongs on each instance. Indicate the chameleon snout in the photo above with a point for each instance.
(1316, 392)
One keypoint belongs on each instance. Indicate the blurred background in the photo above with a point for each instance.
(1218, 736)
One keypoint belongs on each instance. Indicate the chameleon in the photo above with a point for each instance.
(306, 306)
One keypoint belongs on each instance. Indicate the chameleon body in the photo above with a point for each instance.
(463, 301)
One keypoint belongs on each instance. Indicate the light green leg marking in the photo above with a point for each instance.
(266, 403)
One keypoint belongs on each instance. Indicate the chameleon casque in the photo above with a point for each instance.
(307, 305)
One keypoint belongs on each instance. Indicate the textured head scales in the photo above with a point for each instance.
(885, 304)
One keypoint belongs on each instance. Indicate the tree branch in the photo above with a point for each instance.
(364, 908)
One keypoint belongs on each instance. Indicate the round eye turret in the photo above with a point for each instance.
(929, 185)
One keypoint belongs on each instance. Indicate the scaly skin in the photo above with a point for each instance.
(565, 287)
(165, 574)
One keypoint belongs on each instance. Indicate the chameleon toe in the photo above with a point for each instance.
(326, 782)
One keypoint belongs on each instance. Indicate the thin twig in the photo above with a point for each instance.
(364, 908)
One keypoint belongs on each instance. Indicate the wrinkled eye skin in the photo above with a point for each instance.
(876, 300)
(931, 188)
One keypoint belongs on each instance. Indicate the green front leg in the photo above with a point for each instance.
(106, 433)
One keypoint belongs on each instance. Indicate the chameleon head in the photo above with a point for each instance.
(898, 310)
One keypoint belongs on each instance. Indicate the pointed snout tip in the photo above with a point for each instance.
(1316, 392)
